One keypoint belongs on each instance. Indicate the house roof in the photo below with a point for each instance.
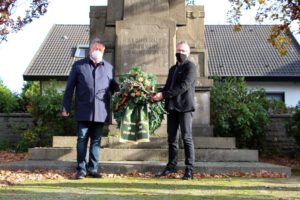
(55, 56)
(245, 53)
(248, 53)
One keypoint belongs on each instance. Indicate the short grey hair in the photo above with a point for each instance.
(95, 41)
(185, 43)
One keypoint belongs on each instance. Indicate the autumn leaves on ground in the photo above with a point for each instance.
(14, 177)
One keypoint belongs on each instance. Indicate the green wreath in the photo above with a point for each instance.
(137, 87)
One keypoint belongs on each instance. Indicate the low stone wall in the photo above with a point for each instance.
(12, 126)
(277, 139)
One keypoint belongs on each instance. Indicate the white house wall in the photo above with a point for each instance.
(60, 85)
(291, 90)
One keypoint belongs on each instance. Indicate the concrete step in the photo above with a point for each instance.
(147, 166)
(156, 143)
(204, 130)
(108, 154)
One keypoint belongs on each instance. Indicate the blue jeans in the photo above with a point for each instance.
(86, 130)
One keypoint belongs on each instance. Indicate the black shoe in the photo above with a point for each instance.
(80, 175)
(166, 172)
(188, 175)
(94, 175)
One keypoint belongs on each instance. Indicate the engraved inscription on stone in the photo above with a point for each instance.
(146, 46)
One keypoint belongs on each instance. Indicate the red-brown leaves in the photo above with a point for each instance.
(10, 156)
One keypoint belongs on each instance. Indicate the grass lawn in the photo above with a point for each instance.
(152, 188)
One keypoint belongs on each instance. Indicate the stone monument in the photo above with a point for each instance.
(145, 33)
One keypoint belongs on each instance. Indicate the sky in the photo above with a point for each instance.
(18, 51)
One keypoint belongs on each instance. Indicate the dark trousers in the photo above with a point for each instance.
(86, 130)
(184, 121)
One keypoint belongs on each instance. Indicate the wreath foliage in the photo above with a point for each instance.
(137, 87)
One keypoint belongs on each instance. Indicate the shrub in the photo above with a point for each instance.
(237, 112)
(45, 109)
(293, 125)
(276, 107)
(8, 100)
(30, 89)
(5, 145)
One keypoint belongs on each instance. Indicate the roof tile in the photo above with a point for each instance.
(248, 53)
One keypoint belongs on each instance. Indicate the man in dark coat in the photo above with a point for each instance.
(92, 80)
(179, 92)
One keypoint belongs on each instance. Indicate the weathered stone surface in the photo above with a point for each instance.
(139, 8)
(178, 11)
(204, 84)
(155, 143)
(204, 130)
(109, 37)
(277, 139)
(115, 9)
(202, 108)
(193, 32)
(109, 56)
(109, 154)
(146, 42)
(97, 20)
(12, 127)
(200, 58)
(122, 9)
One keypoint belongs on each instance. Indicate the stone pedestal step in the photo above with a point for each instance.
(108, 154)
(199, 130)
(155, 143)
(146, 166)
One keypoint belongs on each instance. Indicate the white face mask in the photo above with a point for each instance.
(97, 56)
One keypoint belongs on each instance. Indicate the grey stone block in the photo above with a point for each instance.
(48, 153)
(108, 154)
(155, 143)
(146, 166)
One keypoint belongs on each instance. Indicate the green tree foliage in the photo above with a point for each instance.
(30, 88)
(8, 100)
(293, 125)
(277, 107)
(237, 112)
(284, 11)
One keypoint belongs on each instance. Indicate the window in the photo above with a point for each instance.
(279, 96)
(81, 51)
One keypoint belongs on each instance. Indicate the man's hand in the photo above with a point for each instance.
(65, 114)
(157, 97)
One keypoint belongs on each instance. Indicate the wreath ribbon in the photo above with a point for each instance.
(135, 125)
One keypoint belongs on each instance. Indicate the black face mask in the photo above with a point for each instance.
(181, 57)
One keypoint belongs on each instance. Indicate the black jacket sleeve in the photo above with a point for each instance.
(184, 79)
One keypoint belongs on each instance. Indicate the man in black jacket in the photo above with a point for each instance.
(179, 92)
